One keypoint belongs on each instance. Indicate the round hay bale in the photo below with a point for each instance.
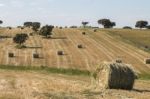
(146, 47)
(60, 53)
(147, 61)
(95, 30)
(35, 55)
(83, 33)
(10, 55)
(60, 27)
(22, 28)
(118, 61)
(115, 76)
(80, 46)
(31, 34)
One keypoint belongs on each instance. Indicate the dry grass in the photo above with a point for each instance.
(99, 47)
(139, 38)
(33, 85)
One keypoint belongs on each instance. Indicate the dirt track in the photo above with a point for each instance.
(99, 46)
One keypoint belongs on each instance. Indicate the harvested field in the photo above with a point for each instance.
(33, 85)
(99, 47)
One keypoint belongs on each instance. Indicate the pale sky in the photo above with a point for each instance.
(73, 12)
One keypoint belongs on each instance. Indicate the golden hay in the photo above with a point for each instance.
(115, 76)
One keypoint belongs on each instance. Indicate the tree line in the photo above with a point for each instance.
(106, 23)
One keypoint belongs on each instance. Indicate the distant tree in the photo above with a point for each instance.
(141, 24)
(20, 39)
(36, 26)
(46, 30)
(127, 27)
(148, 27)
(106, 23)
(27, 24)
(1, 22)
(73, 27)
(84, 24)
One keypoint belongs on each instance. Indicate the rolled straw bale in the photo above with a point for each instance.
(84, 33)
(115, 76)
(10, 55)
(147, 61)
(80, 46)
(60, 53)
(35, 55)
(118, 61)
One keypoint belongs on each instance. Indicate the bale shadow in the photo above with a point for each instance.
(4, 37)
(40, 57)
(59, 38)
(140, 90)
(54, 37)
(92, 93)
(34, 47)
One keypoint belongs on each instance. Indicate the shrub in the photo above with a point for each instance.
(46, 30)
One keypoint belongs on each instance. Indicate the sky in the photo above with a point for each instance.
(73, 12)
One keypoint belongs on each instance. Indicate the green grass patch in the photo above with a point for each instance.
(69, 71)
(144, 76)
(136, 38)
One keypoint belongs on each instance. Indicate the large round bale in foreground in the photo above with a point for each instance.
(115, 76)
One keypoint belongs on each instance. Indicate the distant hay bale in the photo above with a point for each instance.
(83, 33)
(115, 76)
(146, 47)
(118, 61)
(31, 34)
(95, 30)
(60, 53)
(80, 46)
(9, 28)
(35, 55)
(22, 28)
(147, 61)
(60, 27)
(10, 55)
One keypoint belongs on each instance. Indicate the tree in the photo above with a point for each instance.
(127, 27)
(148, 27)
(27, 24)
(46, 30)
(20, 39)
(106, 23)
(1, 22)
(141, 24)
(36, 26)
(84, 24)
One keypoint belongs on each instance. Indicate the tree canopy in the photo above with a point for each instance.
(27, 24)
(20, 38)
(46, 30)
(85, 23)
(36, 26)
(106, 23)
(141, 24)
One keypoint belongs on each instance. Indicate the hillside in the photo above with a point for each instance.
(72, 82)
(99, 47)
